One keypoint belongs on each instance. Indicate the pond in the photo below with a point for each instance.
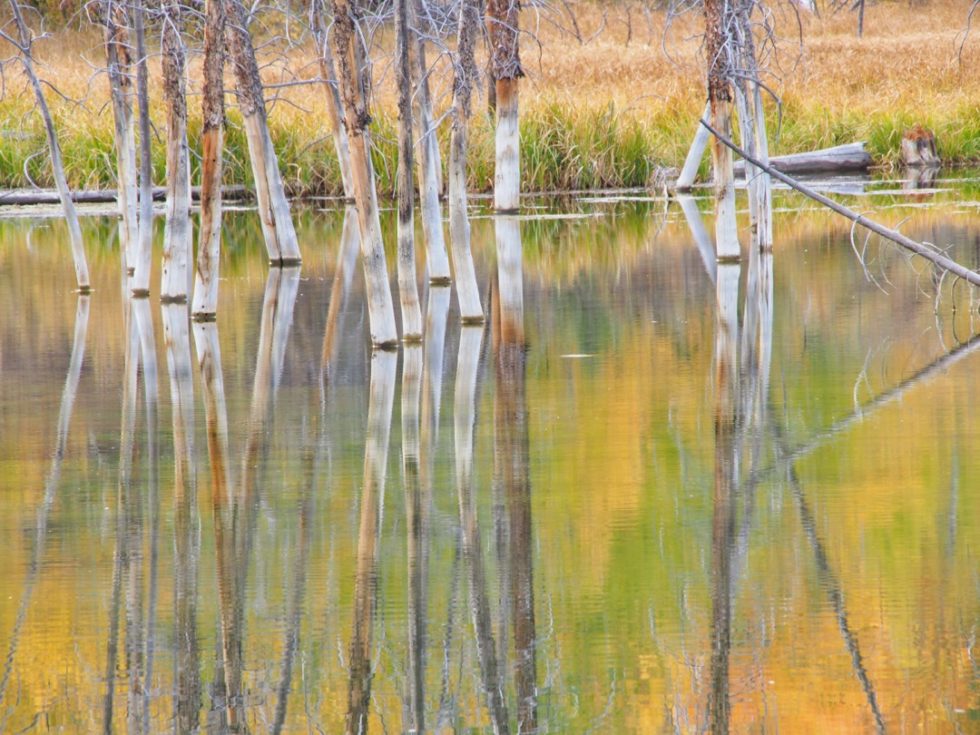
(652, 494)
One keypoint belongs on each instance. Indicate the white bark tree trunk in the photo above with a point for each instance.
(335, 114)
(464, 63)
(54, 150)
(407, 286)
(689, 173)
(119, 66)
(430, 163)
(277, 222)
(354, 91)
(503, 30)
(144, 253)
(175, 281)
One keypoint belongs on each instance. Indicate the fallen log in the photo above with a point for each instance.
(841, 158)
(933, 256)
(22, 197)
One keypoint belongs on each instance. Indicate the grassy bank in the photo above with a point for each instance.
(606, 112)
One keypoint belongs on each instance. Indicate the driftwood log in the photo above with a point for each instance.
(925, 251)
(20, 197)
(841, 158)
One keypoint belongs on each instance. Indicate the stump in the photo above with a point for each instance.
(919, 147)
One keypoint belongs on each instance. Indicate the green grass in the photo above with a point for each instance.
(561, 148)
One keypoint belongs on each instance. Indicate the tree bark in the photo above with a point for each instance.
(277, 222)
(465, 70)
(354, 94)
(212, 137)
(688, 174)
(176, 279)
(118, 65)
(335, 114)
(144, 254)
(430, 163)
(505, 62)
(57, 167)
(717, 43)
(407, 287)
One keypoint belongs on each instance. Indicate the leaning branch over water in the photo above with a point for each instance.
(886, 232)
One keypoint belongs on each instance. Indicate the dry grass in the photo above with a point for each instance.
(602, 113)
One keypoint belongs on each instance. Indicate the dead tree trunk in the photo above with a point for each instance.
(408, 291)
(212, 133)
(175, 283)
(24, 44)
(718, 15)
(335, 114)
(430, 163)
(459, 222)
(277, 222)
(354, 93)
(141, 274)
(118, 65)
(503, 29)
(685, 180)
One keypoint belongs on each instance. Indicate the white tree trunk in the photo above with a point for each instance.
(429, 163)
(408, 291)
(356, 117)
(726, 226)
(507, 170)
(54, 150)
(175, 283)
(764, 188)
(277, 223)
(467, 289)
(119, 66)
(747, 134)
(689, 173)
(464, 65)
(335, 114)
(144, 253)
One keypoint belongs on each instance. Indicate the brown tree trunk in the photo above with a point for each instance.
(212, 134)
(718, 41)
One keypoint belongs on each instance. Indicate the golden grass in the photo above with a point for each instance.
(605, 112)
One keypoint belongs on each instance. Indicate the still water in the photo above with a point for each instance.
(654, 494)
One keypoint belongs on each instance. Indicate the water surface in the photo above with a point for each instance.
(653, 494)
